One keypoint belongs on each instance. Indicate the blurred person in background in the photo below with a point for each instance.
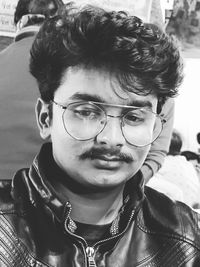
(19, 140)
(160, 147)
(177, 177)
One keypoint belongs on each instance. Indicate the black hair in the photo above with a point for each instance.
(143, 58)
(175, 144)
(48, 8)
(190, 155)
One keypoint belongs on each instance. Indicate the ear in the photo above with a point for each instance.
(43, 118)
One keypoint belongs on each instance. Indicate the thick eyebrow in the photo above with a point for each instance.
(141, 103)
(96, 98)
(87, 97)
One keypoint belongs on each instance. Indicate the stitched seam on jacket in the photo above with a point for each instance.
(12, 212)
(14, 249)
(173, 236)
(178, 253)
(181, 220)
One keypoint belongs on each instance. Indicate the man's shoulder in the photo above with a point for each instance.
(161, 215)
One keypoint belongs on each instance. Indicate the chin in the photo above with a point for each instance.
(103, 187)
(110, 180)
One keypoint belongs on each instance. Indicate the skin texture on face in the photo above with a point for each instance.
(93, 172)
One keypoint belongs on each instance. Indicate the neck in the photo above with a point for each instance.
(94, 208)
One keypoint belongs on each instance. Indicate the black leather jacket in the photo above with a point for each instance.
(36, 230)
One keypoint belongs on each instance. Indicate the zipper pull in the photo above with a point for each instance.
(90, 255)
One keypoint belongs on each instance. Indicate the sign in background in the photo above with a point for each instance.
(7, 9)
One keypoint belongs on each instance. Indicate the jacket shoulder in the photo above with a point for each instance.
(173, 219)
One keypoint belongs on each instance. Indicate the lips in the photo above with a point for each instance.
(107, 162)
(107, 158)
(103, 154)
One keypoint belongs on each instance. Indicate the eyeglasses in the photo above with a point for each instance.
(84, 120)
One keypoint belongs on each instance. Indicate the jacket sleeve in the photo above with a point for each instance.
(160, 146)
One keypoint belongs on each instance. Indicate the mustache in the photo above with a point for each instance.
(100, 152)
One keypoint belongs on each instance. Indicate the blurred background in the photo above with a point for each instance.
(180, 18)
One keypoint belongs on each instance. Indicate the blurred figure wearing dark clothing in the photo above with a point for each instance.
(19, 139)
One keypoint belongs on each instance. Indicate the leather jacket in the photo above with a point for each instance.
(36, 230)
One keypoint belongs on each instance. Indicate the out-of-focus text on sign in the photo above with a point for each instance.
(7, 9)
(6, 23)
(140, 8)
(8, 6)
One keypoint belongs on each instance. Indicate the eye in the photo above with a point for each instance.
(84, 113)
(87, 112)
(133, 118)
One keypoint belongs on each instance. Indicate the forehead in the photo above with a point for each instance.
(98, 85)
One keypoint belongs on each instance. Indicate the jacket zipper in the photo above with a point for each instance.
(90, 251)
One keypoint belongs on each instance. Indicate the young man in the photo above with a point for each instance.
(20, 144)
(103, 77)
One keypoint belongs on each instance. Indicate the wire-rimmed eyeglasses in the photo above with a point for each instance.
(84, 120)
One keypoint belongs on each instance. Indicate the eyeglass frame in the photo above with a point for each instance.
(64, 107)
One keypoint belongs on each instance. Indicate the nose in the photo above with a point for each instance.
(112, 134)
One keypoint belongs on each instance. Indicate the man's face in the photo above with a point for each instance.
(104, 167)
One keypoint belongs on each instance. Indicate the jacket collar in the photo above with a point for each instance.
(41, 192)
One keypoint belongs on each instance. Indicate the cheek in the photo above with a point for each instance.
(65, 153)
(62, 142)
(66, 149)
(141, 154)
(57, 123)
